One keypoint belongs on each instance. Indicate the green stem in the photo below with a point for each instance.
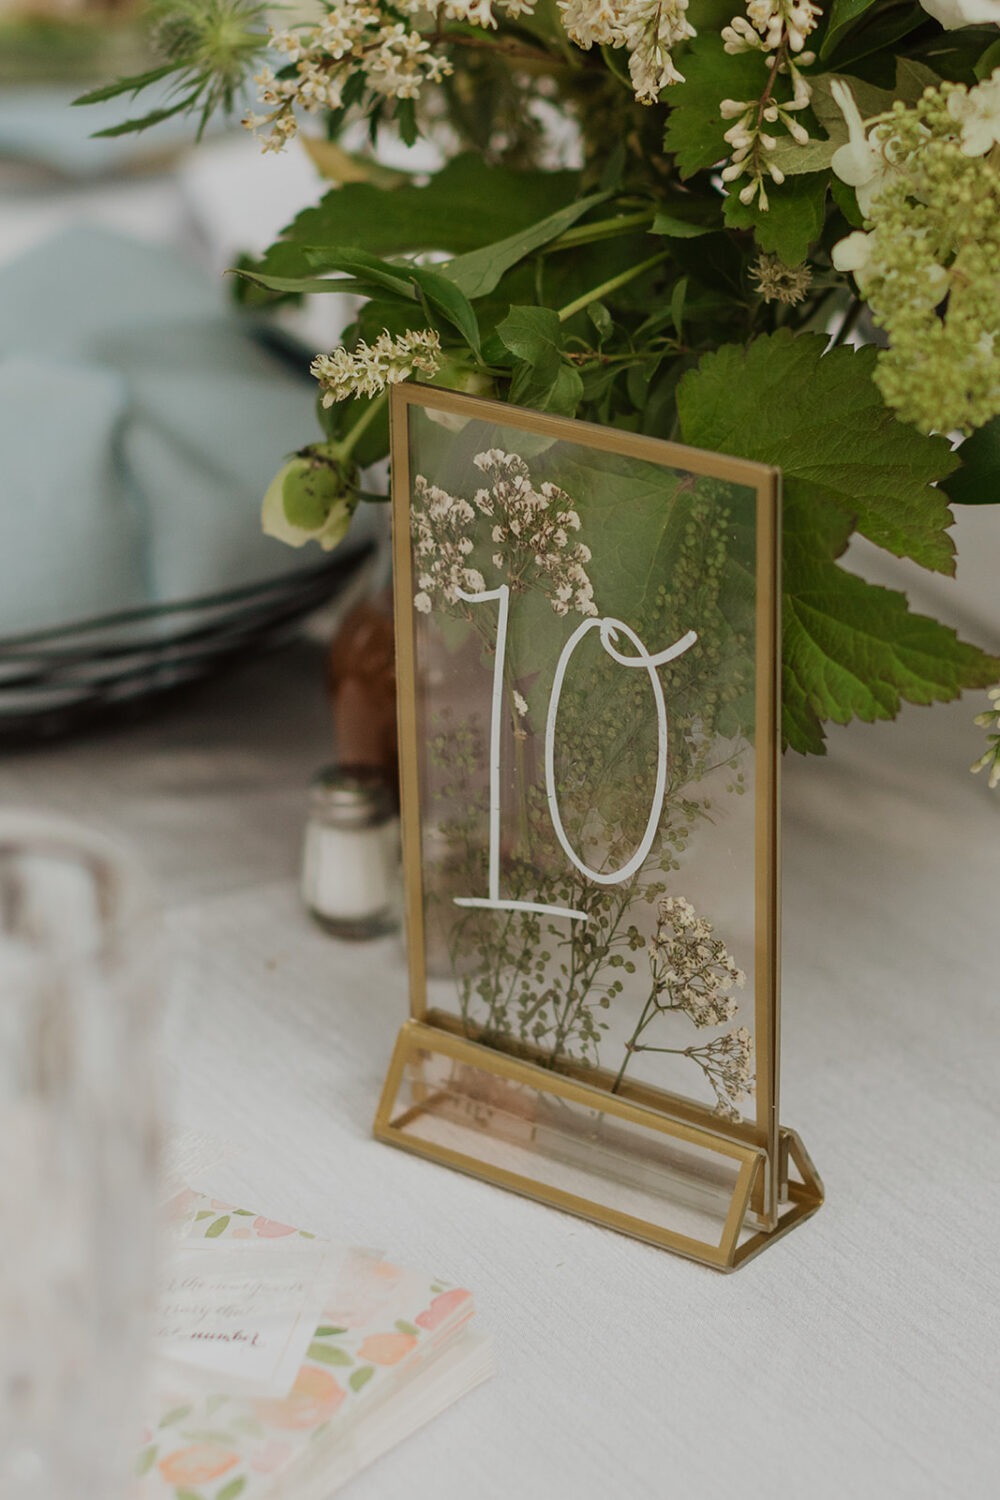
(346, 445)
(611, 285)
(603, 229)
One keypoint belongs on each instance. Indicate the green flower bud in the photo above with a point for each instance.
(311, 499)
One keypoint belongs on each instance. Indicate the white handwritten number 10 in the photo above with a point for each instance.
(609, 629)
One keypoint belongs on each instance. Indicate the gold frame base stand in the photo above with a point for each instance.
(645, 1170)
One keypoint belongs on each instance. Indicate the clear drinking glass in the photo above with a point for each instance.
(78, 1149)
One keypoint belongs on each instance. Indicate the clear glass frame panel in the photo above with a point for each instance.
(588, 653)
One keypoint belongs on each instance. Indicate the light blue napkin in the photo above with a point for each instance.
(140, 424)
(38, 124)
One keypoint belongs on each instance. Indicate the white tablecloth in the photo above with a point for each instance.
(859, 1357)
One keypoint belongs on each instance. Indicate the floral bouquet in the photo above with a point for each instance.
(774, 234)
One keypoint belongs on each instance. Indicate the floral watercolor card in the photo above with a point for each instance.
(380, 1331)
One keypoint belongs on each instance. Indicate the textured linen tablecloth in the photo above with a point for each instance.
(857, 1357)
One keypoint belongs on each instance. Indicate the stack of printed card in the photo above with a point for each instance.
(286, 1364)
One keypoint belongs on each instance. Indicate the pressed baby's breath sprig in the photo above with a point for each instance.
(694, 974)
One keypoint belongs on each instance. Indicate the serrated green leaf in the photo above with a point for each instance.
(849, 649)
(852, 649)
(232, 1489)
(815, 156)
(695, 129)
(977, 482)
(479, 272)
(792, 222)
(541, 379)
(361, 1377)
(328, 1354)
(219, 1227)
(820, 418)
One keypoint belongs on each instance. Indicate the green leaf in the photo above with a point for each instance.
(846, 200)
(187, 1495)
(465, 205)
(204, 1213)
(792, 223)
(795, 160)
(869, 99)
(820, 418)
(912, 78)
(219, 1227)
(478, 272)
(132, 85)
(327, 1331)
(451, 303)
(328, 1354)
(680, 229)
(852, 649)
(408, 1328)
(146, 122)
(977, 482)
(301, 286)
(361, 1377)
(843, 14)
(542, 379)
(695, 129)
(849, 648)
(877, 31)
(989, 61)
(232, 1489)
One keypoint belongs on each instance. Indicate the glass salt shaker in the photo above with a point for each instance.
(351, 860)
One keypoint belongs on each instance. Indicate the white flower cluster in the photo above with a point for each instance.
(354, 37)
(369, 368)
(928, 262)
(770, 24)
(990, 757)
(440, 523)
(779, 29)
(647, 28)
(534, 527)
(692, 966)
(727, 1062)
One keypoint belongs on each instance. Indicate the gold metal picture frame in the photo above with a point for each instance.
(492, 1092)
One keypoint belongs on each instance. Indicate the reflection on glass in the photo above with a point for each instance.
(585, 656)
(77, 1160)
